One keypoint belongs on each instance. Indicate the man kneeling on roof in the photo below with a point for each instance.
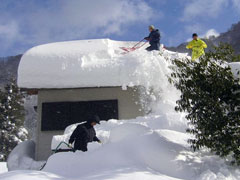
(153, 38)
(84, 133)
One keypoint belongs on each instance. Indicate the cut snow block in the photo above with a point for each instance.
(22, 157)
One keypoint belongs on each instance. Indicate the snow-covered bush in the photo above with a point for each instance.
(211, 97)
(11, 119)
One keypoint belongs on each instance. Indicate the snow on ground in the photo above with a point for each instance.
(29, 175)
(123, 174)
(137, 146)
(150, 147)
(3, 167)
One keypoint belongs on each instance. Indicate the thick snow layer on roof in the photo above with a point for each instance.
(88, 63)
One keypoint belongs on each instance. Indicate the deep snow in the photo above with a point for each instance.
(137, 146)
(150, 147)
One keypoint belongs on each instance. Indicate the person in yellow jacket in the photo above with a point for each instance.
(197, 45)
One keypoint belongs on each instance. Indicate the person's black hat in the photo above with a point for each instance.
(194, 34)
(97, 119)
(94, 118)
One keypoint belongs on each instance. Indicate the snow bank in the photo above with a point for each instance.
(129, 145)
(138, 146)
(22, 157)
(123, 174)
(86, 63)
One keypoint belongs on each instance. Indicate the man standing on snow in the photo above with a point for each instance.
(153, 38)
(84, 133)
(197, 45)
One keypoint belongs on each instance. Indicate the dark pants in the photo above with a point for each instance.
(155, 46)
(80, 145)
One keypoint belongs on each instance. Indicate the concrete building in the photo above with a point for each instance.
(68, 90)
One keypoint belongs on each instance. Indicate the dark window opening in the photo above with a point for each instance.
(59, 115)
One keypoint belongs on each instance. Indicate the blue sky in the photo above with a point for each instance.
(27, 23)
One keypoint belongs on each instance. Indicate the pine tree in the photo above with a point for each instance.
(211, 97)
(11, 119)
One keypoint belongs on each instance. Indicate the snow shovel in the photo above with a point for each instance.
(59, 150)
(135, 47)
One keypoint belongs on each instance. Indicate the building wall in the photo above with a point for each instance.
(127, 109)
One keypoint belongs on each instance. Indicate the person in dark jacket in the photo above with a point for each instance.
(153, 38)
(84, 133)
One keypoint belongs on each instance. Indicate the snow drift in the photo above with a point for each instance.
(138, 146)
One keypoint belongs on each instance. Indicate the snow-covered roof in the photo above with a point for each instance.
(86, 63)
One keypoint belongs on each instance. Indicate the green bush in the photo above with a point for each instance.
(210, 95)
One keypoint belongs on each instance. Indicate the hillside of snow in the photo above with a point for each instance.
(153, 147)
